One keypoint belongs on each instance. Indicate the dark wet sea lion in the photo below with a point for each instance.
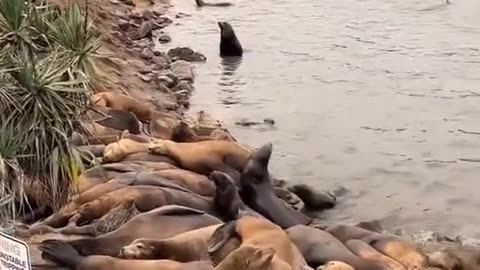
(183, 133)
(172, 219)
(116, 119)
(201, 3)
(364, 250)
(312, 198)
(185, 247)
(206, 156)
(229, 43)
(257, 191)
(244, 258)
(319, 247)
(394, 247)
(260, 233)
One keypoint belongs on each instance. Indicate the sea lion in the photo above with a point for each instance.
(117, 151)
(319, 247)
(335, 265)
(172, 219)
(94, 133)
(394, 247)
(312, 198)
(258, 193)
(229, 43)
(96, 149)
(260, 233)
(185, 247)
(116, 119)
(204, 157)
(363, 250)
(197, 183)
(125, 103)
(63, 254)
(201, 3)
(147, 157)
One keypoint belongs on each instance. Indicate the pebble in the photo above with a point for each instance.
(147, 54)
(165, 38)
(183, 70)
(144, 30)
(186, 54)
(123, 25)
(145, 78)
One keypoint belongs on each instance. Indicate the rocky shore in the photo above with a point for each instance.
(134, 67)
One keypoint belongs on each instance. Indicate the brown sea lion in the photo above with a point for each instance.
(229, 43)
(197, 183)
(257, 191)
(172, 219)
(147, 157)
(63, 254)
(185, 247)
(260, 233)
(162, 124)
(183, 133)
(319, 247)
(204, 157)
(116, 119)
(98, 175)
(94, 133)
(335, 265)
(394, 247)
(117, 151)
(125, 103)
(364, 250)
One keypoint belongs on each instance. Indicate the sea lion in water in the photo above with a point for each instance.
(185, 247)
(363, 250)
(172, 219)
(394, 247)
(258, 193)
(206, 156)
(201, 3)
(319, 247)
(312, 198)
(260, 233)
(229, 43)
(63, 254)
(123, 102)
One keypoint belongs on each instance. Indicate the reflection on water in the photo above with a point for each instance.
(380, 97)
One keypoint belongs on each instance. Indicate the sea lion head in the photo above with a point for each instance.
(226, 30)
(227, 198)
(335, 265)
(139, 249)
(248, 258)
(113, 153)
(89, 211)
(182, 133)
(157, 147)
(256, 170)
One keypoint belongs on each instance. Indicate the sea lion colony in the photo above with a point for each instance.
(198, 204)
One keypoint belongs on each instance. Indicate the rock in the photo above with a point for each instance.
(123, 25)
(162, 88)
(183, 86)
(164, 38)
(186, 54)
(145, 78)
(145, 30)
(148, 14)
(183, 70)
(161, 62)
(205, 124)
(168, 78)
(128, 2)
(147, 54)
(183, 98)
(269, 121)
(115, 2)
(182, 15)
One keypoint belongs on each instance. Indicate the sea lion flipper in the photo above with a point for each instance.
(221, 236)
(177, 210)
(60, 252)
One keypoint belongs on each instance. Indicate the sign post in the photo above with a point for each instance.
(14, 254)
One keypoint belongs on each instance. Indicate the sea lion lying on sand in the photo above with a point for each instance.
(260, 233)
(201, 3)
(172, 219)
(257, 191)
(245, 258)
(394, 247)
(229, 43)
(319, 247)
(204, 157)
(123, 102)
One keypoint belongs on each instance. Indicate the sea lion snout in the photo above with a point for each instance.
(134, 250)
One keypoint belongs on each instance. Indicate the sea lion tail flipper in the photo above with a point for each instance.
(200, 3)
(221, 236)
(62, 253)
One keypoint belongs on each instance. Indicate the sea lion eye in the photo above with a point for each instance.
(139, 246)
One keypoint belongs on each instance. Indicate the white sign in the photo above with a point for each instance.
(14, 254)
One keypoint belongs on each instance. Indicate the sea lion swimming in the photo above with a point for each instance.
(257, 191)
(394, 247)
(244, 258)
(205, 156)
(172, 219)
(319, 247)
(201, 3)
(229, 43)
(260, 233)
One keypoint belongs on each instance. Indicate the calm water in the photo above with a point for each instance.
(370, 95)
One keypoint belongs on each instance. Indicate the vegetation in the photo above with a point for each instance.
(47, 61)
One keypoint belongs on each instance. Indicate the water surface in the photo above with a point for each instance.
(378, 96)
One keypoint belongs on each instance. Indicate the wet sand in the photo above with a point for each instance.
(379, 97)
